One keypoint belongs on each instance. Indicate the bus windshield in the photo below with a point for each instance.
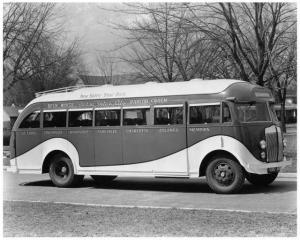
(252, 112)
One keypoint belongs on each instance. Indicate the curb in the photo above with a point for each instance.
(287, 175)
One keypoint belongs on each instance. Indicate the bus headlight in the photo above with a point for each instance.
(263, 155)
(263, 144)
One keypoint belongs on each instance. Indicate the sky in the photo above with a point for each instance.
(91, 23)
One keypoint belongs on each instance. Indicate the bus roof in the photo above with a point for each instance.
(149, 89)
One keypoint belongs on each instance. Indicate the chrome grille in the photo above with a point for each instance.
(271, 139)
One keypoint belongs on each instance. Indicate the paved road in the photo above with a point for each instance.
(280, 197)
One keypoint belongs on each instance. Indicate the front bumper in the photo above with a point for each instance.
(262, 168)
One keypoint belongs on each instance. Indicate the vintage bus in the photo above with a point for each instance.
(225, 130)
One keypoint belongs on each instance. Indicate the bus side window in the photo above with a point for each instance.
(107, 117)
(55, 119)
(204, 114)
(80, 118)
(136, 117)
(168, 115)
(31, 121)
(226, 113)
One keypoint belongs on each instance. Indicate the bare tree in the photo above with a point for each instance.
(24, 28)
(106, 64)
(248, 32)
(34, 58)
(166, 48)
(153, 42)
(45, 73)
(283, 71)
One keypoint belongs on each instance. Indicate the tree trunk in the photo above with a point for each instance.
(282, 97)
(282, 116)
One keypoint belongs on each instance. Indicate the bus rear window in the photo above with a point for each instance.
(31, 121)
(252, 112)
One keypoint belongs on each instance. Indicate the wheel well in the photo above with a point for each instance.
(49, 158)
(212, 155)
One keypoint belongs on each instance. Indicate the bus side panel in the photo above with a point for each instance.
(26, 140)
(54, 133)
(199, 132)
(83, 140)
(138, 145)
(108, 146)
(171, 141)
(148, 144)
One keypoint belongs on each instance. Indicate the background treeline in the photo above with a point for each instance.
(165, 42)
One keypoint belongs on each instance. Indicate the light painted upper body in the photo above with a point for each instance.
(149, 89)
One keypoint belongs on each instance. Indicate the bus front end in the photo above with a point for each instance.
(259, 130)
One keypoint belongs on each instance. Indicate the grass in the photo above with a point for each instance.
(24, 219)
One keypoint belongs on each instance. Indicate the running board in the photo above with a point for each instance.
(181, 177)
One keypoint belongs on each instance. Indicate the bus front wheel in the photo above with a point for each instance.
(261, 180)
(225, 175)
(61, 172)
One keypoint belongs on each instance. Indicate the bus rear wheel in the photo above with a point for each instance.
(261, 180)
(102, 179)
(61, 172)
(225, 175)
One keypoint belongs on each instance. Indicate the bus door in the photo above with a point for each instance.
(28, 137)
(203, 122)
(81, 134)
(156, 137)
(170, 142)
(108, 137)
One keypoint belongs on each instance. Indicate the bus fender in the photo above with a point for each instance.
(61, 145)
(221, 144)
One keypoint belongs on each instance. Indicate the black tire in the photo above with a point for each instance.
(261, 179)
(61, 172)
(102, 179)
(225, 175)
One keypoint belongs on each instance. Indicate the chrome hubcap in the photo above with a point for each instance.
(223, 173)
(61, 170)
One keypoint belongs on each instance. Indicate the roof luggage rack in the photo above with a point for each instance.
(64, 89)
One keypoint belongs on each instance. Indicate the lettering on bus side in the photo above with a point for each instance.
(53, 132)
(28, 133)
(168, 130)
(109, 131)
(135, 131)
(107, 103)
(79, 132)
(197, 129)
